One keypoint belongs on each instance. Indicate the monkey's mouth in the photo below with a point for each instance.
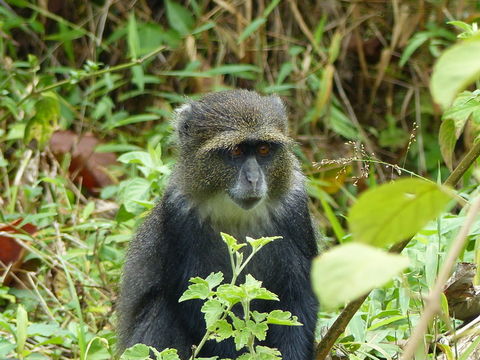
(248, 202)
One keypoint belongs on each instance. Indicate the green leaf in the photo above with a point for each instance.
(213, 310)
(195, 291)
(447, 140)
(44, 122)
(279, 317)
(253, 290)
(260, 242)
(251, 28)
(231, 242)
(457, 68)
(179, 18)
(133, 39)
(273, 4)
(214, 279)
(464, 105)
(352, 270)
(222, 330)
(413, 44)
(133, 190)
(230, 293)
(232, 69)
(136, 352)
(134, 119)
(396, 211)
(22, 326)
(259, 330)
(202, 288)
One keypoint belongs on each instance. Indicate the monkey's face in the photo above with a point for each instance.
(234, 146)
(250, 163)
(248, 173)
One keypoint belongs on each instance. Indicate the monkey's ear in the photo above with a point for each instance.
(282, 111)
(180, 118)
(276, 99)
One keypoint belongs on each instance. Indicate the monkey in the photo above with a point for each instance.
(236, 173)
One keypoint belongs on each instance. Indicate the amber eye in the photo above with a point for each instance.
(263, 149)
(236, 151)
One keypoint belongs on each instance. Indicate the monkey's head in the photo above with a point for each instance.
(234, 144)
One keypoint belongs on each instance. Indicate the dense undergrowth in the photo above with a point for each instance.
(86, 95)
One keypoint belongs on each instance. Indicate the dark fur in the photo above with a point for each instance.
(177, 242)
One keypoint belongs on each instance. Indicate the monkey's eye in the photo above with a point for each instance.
(236, 151)
(263, 149)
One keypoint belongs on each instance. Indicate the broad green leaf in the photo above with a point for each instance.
(135, 189)
(232, 294)
(179, 17)
(352, 270)
(202, 288)
(195, 291)
(260, 242)
(44, 122)
(463, 107)
(222, 330)
(457, 68)
(259, 330)
(447, 140)
(214, 279)
(136, 157)
(212, 309)
(396, 211)
(22, 325)
(279, 317)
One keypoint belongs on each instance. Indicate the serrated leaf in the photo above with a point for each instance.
(447, 140)
(222, 330)
(241, 338)
(213, 310)
(232, 294)
(214, 279)
(195, 291)
(352, 270)
(396, 211)
(179, 17)
(280, 317)
(260, 242)
(457, 68)
(136, 352)
(259, 330)
(231, 242)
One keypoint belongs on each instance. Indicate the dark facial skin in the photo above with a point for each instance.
(250, 161)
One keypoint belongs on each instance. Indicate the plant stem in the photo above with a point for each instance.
(340, 324)
(236, 270)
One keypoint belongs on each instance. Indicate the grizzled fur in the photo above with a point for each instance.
(180, 239)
